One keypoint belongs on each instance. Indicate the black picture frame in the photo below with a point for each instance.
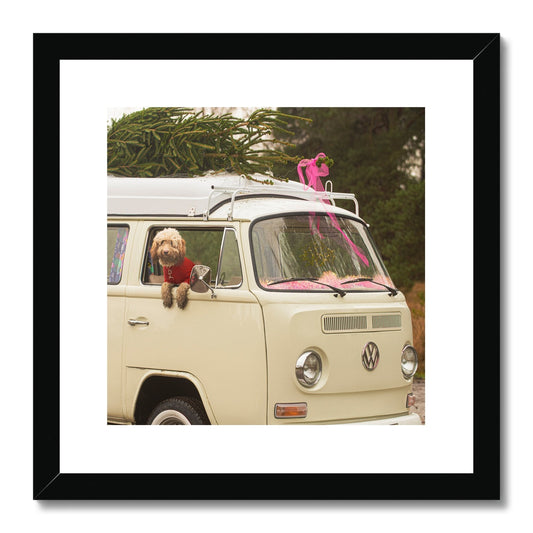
(483, 50)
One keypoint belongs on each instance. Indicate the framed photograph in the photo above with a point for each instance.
(455, 79)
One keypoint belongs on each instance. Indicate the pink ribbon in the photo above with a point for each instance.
(314, 173)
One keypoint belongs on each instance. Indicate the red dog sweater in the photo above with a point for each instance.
(179, 273)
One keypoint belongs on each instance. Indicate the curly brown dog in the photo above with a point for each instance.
(168, 247)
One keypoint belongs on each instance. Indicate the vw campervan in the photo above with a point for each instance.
(292, 317)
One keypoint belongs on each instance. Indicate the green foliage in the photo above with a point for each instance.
(399, 234)
(161, 141)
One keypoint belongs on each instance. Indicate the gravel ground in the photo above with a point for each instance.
(419, 390)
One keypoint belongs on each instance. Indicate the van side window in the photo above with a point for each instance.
(230, 273)
(202, 248)
(117, 237)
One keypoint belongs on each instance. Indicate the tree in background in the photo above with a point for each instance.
(379, 156)
(399, 232)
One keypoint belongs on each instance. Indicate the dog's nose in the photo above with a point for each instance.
(165, 252)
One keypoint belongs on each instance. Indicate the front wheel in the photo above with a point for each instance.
(178, 412)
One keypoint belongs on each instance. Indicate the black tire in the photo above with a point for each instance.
(178, 412)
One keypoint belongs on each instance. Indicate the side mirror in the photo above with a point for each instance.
(201, 279)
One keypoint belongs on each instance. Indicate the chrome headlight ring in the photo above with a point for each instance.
(409, 361)
(308, 368)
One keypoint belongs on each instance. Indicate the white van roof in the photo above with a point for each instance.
(213, 195)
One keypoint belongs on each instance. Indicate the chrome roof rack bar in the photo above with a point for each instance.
(308, 194)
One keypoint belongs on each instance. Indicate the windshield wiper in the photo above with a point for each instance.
(392, 290)
(314, 280)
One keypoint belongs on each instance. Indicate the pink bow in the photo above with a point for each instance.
(313, 173)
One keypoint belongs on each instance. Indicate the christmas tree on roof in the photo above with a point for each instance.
(163, 141)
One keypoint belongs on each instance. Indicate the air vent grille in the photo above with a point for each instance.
(386, 321)
(336, 323)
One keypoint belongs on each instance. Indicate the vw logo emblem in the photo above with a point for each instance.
(370, 356)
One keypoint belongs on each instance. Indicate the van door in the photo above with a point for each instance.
(118, 254)
(218, 342)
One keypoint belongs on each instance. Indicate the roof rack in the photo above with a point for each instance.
(311, 194)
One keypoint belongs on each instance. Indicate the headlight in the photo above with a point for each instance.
(409, 361)
(308, 368)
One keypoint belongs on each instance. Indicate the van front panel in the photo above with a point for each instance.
(347, 390)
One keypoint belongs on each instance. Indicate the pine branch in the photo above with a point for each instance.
(161, 141)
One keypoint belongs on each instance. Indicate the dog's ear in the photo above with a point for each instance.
(182, 246)
(154, 250)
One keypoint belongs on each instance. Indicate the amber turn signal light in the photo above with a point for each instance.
(290, 410)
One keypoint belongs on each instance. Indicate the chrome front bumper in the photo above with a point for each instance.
(404, 420)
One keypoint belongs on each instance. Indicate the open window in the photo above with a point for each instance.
(213, 247)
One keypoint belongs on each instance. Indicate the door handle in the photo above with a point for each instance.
(133, 322)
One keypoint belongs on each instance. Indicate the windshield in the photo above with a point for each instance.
(304, 252)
